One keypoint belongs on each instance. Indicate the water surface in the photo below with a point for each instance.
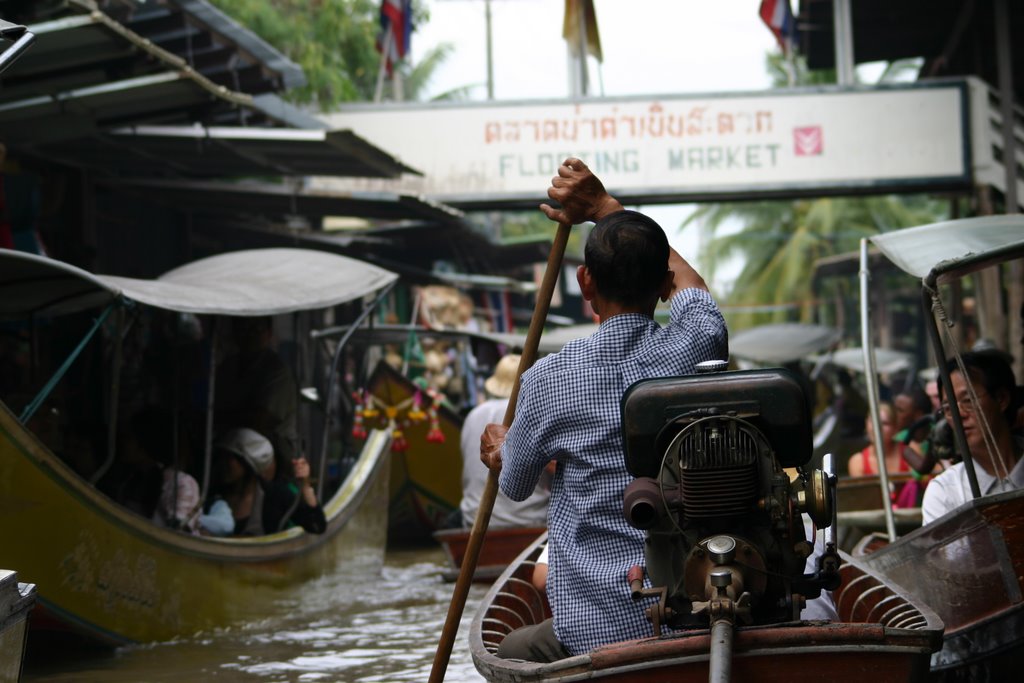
(358, 625)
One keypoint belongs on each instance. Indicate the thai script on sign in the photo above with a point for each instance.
(655, 123)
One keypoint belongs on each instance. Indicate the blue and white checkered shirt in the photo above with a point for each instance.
(568, 410)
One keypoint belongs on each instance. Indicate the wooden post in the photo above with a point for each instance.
(483, 515)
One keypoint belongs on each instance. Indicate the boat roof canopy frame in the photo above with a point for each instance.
(255, 282)
(258, 282)
(944, 251)
(36, 284)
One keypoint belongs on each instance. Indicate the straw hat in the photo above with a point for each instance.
(499, 385)
(251, 446)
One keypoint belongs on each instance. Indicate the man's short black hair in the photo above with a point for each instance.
(627, 255)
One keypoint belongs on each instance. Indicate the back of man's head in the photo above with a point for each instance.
(627, 255)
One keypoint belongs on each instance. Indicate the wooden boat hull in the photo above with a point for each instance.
(110, 575)
(969, 567)
(500, 548)
(426, 480)
(883, 635)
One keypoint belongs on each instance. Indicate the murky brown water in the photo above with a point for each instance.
(355, 626)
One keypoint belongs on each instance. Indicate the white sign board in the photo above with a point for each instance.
(679, 148)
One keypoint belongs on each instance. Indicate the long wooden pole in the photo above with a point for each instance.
(483, 515)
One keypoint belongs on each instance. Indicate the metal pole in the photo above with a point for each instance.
(720, 657)
(114, 399)
(11, 54)
(870, 379)
(582, 14)
(1004, 57)
(842, 26)
(490, 51)
(329, 389)
(927, 292)
(389, 37)
(210, 397)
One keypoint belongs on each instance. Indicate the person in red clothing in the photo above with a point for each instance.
(865, 462)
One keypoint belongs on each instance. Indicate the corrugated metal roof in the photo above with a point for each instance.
(267, 199)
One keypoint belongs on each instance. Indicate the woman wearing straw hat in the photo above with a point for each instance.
(506, 513)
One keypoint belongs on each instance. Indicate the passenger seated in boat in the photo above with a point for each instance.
(260, 502)
(148, 444)
(865, 462)
(994, 446)
(914, 419)
(569, 410)
(532, 512)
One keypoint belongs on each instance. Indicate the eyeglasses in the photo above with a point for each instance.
(963, 403)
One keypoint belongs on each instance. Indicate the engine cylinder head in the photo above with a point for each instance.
(718, 467)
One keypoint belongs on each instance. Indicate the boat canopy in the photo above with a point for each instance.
(886, 360)
(258, 282)
(782, 342)
(954, 248)
(36, 284)
(242, 283)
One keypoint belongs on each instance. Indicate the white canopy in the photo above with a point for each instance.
(258, 282)
(886, 360)
(782, 342)
(33, 284)
(952, 245)
(242, 283)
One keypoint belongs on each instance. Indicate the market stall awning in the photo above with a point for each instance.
(268, 199)
(199, 151)
(70, 114)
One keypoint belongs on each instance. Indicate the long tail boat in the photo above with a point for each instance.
(114, 576)
(882, 634)
(726, 501)
(968, 565)
(501, 546)
(426, 471)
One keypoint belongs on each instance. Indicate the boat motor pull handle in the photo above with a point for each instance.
(636, 581)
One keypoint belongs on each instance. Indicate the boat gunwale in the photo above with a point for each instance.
(923, 639)
(288, 543)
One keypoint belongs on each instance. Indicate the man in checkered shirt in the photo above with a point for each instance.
(568, 411)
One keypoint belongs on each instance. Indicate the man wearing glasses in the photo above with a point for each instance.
(989, 431)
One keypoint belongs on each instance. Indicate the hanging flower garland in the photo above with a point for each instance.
(391, 417)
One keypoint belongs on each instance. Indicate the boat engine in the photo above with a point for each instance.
(725, 538)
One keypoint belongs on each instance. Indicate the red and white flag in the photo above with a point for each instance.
(778, 16)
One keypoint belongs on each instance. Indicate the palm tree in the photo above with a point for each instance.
(779, 241)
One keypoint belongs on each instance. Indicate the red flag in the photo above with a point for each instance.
(395, 31)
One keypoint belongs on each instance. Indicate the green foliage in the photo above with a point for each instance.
(334, 41)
